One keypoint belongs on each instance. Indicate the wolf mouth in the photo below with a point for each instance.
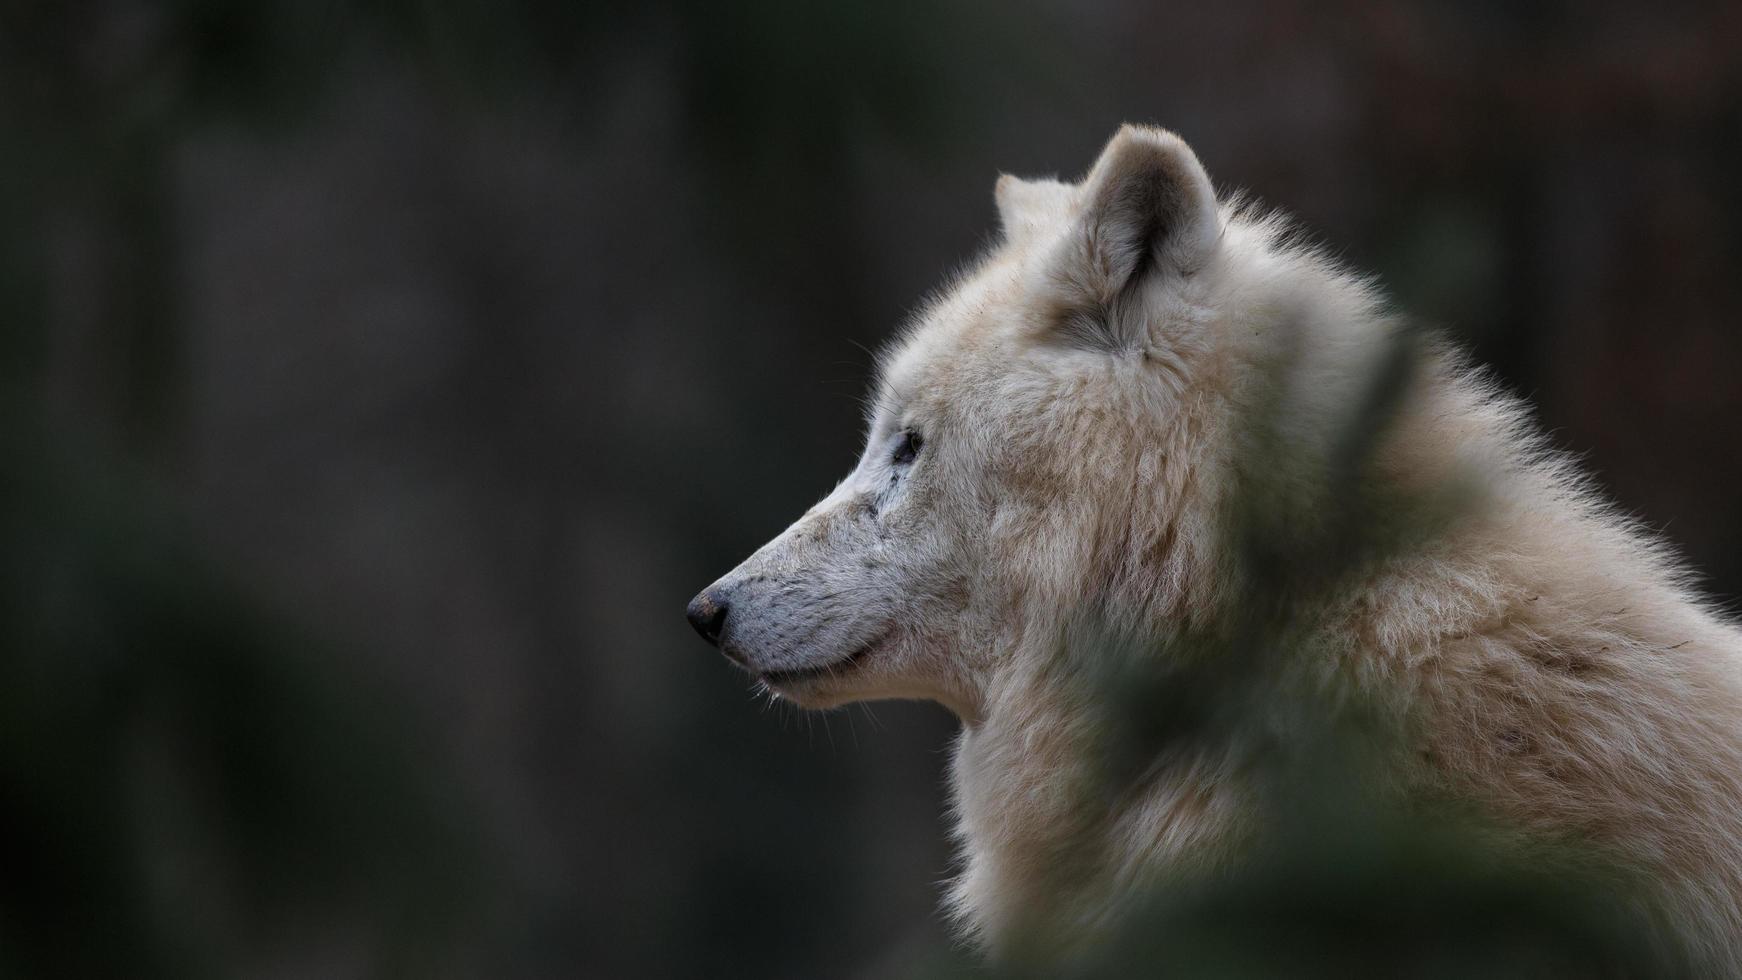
(802, 675)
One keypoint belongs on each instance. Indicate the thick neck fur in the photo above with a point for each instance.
(1564, 677)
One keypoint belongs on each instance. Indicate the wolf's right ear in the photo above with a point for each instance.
(1146, 208)
(1025, 207)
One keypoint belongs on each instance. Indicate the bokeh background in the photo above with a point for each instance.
(381, 379)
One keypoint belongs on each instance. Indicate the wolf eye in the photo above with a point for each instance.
(908, 448)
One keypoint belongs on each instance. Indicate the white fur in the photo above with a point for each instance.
(1081, 393)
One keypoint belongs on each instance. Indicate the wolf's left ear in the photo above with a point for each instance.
(1146, 207)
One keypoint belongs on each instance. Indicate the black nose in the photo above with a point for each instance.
(707, 614)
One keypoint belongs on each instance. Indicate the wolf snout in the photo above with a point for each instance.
(707, 613)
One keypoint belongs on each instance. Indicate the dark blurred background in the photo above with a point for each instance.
(380, 380)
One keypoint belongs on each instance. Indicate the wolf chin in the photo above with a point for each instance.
(1060, 438)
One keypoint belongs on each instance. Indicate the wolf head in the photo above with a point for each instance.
(1042, 442)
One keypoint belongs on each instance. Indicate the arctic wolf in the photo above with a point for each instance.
(1062, 440)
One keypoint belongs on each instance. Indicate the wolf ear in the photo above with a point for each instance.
(1026, 206)
(1145, 208)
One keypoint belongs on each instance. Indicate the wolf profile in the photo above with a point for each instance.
(1059, 445)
